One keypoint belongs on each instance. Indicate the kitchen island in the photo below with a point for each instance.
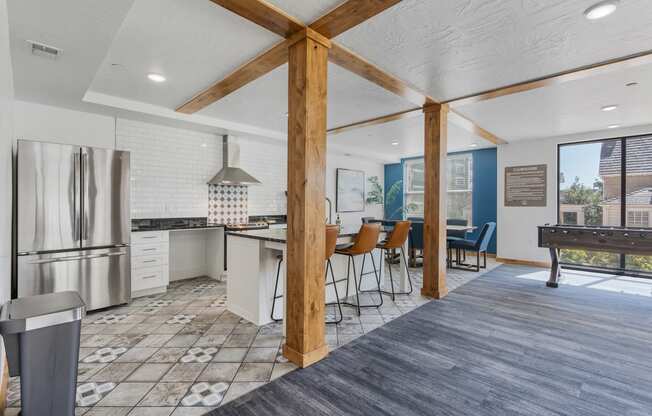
(253, 258)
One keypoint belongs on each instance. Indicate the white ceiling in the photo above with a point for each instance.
(446, 48)
(568, 108)
(454, 48)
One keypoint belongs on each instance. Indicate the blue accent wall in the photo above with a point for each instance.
(393, 174)
(485, 178)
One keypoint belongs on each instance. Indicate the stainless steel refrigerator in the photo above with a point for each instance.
(73, 222)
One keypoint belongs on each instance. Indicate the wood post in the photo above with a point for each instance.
(434, 215)
(305, 293)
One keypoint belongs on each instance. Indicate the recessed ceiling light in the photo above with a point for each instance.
(473, 145)
(204, 145)
(156, 77)
(600, 10)
(613, 126)
(395, 143)
(609, 107)
(631, 84)
(287, 114)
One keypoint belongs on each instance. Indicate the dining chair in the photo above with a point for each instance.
(416, 239)
(478, 245)
(396, 240)
(455, 235)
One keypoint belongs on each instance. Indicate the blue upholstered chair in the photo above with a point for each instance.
(455, 235)
(479, 245)
(416, 239)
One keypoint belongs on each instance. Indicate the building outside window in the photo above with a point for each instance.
(606, 183)
(459, 171)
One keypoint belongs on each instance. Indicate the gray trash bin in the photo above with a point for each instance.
(42, 340)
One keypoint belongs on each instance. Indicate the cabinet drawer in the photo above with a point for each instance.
(149, 249)
(149, 277)
(149, 261)
(147, 237)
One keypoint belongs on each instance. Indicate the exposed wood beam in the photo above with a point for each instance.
(252, 70)
(349, 60)
(348, 15)
(378, 120)
(305, 341)
(605, 67)
(264, 14)
(461, 120)
(434, 209)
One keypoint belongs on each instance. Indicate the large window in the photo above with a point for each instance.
(606, 183)
(459, 171)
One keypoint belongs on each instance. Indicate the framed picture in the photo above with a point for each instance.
(350, 190)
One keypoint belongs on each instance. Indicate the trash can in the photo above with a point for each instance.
(42, 341)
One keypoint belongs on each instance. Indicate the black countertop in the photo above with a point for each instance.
(279, 235)
(167, 224)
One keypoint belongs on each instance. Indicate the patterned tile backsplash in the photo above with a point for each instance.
(227, 204)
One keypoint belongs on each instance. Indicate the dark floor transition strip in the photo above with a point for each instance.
(500, 345)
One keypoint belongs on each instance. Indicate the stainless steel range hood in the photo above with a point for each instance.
(231, 174)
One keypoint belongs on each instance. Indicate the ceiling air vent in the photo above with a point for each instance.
(47, 51)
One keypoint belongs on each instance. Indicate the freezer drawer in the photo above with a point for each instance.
(102, 276)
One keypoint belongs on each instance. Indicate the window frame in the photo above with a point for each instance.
(622, 270)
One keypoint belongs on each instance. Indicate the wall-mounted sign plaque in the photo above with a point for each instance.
(526, 186)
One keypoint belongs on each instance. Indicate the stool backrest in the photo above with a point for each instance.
(331, 239)
(366, 239)
(399, 235)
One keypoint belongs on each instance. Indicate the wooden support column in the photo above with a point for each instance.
(305, 293)
(434, 215)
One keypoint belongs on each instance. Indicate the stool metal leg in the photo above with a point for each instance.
(278, 273)
(393, 293)
(329, 266)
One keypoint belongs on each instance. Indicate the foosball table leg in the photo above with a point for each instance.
(555, 270)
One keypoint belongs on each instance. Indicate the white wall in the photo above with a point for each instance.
(6, 134)
(59, 125)
(517, 226)
(170, 166)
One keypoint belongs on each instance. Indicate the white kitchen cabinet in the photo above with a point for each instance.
(150, 259)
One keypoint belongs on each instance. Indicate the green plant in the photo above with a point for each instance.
(375, 192)
(393, 193)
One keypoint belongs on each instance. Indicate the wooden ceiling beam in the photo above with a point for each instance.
(349, 60)
(348, 15)
(377, 120)
(264, 14)
(605, 67)
(252, 70)
(467, 124)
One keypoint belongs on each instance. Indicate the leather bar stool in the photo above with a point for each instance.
(365, 242)
(396, 240)
(332, 232)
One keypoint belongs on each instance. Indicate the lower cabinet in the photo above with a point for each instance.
(150, 270)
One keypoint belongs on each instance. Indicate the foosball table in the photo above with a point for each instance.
(624, 240)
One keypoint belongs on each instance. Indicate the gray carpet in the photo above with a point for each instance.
(499, 345)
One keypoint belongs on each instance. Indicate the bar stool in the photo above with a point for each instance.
(332, 232)
(396, 240)
(365, 243)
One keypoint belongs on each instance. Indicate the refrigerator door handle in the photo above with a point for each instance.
(76, 196)
(84, 209)
(76, 258)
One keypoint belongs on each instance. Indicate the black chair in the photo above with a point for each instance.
(416, 239)
(479, 245)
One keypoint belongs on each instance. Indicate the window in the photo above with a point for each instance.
(459, 171)
(606, 183)
(638, 218)
(569, 218)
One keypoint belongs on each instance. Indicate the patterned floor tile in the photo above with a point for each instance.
(199, 355)
(165, 394)
(89, 394)
(110, 319)
(205, 394)
(105, 355)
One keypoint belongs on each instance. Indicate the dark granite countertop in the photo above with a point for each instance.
(279, 235)
(170, 224)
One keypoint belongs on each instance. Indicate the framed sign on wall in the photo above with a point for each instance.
(349, 190)
(526, 186)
